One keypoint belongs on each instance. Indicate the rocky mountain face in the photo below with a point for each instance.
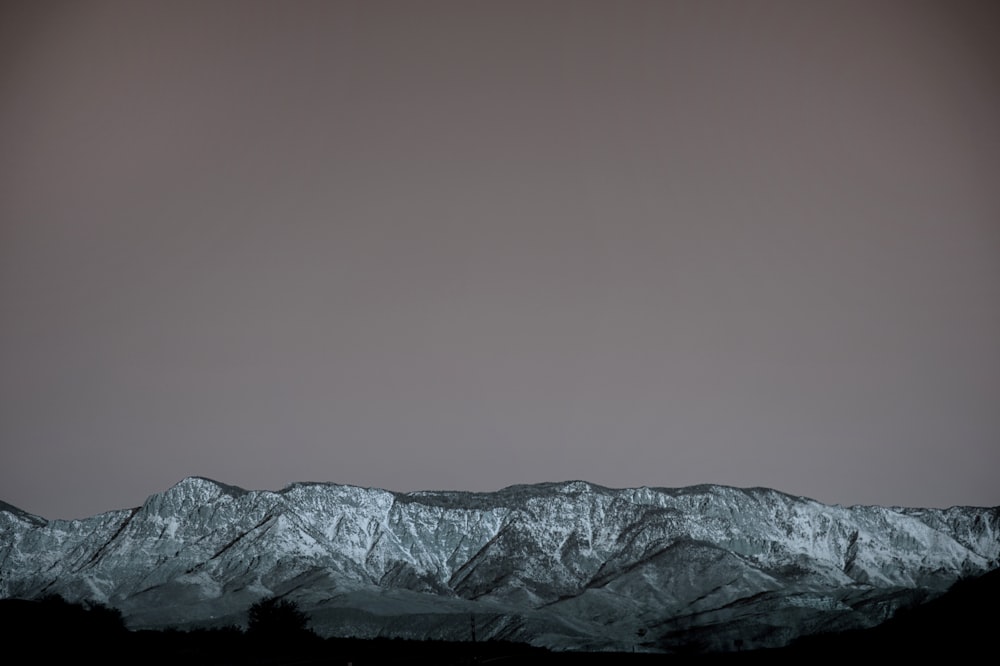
(562, 565)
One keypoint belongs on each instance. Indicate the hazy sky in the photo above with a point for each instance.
(464, 245)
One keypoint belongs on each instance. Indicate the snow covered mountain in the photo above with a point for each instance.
(564, 565)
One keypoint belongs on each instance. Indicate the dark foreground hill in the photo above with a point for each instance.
(962, 622)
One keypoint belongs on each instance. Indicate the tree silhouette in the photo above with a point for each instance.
(277, 618)
(87, 617)
(104, 618)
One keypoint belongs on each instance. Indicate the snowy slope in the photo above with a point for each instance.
(562, 565)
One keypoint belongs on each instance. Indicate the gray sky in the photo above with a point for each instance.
(427, 245)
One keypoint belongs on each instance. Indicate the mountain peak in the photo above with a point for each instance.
(21, 514)
(204, 484)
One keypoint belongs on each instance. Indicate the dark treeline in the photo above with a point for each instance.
(52, 630)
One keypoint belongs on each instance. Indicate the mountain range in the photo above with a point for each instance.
(568, 565)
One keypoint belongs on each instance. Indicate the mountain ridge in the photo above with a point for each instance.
(561, 564)
(11, 508)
